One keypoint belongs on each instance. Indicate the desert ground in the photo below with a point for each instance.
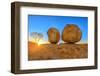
(54, 51)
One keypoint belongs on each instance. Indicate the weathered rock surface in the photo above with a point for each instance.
(71, 33)
(61, 51)
(53, 35)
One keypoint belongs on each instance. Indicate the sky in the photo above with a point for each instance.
(41, 24)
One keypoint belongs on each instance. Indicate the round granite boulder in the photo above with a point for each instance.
(71, 33)
(53, 35)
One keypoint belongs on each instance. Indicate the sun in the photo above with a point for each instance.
(42, 42)
(39, 43)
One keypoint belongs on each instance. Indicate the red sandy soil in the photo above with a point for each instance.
(54, 51)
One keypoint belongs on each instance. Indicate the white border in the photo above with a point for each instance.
(25, 64)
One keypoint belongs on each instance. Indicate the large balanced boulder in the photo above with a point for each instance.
(53, 35)
(71, 33)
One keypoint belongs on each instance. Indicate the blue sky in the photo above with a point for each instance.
(41, 24)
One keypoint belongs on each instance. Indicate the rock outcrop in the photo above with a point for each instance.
(53, 35)
(71, 33)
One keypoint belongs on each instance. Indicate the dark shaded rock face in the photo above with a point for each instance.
(71, 33)
(53, 35)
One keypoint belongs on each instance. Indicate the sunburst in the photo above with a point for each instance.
(43, 42)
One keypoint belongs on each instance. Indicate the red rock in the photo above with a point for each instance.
(71, 33)
(53, 35)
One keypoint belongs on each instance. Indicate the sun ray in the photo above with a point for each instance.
(43, 42)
